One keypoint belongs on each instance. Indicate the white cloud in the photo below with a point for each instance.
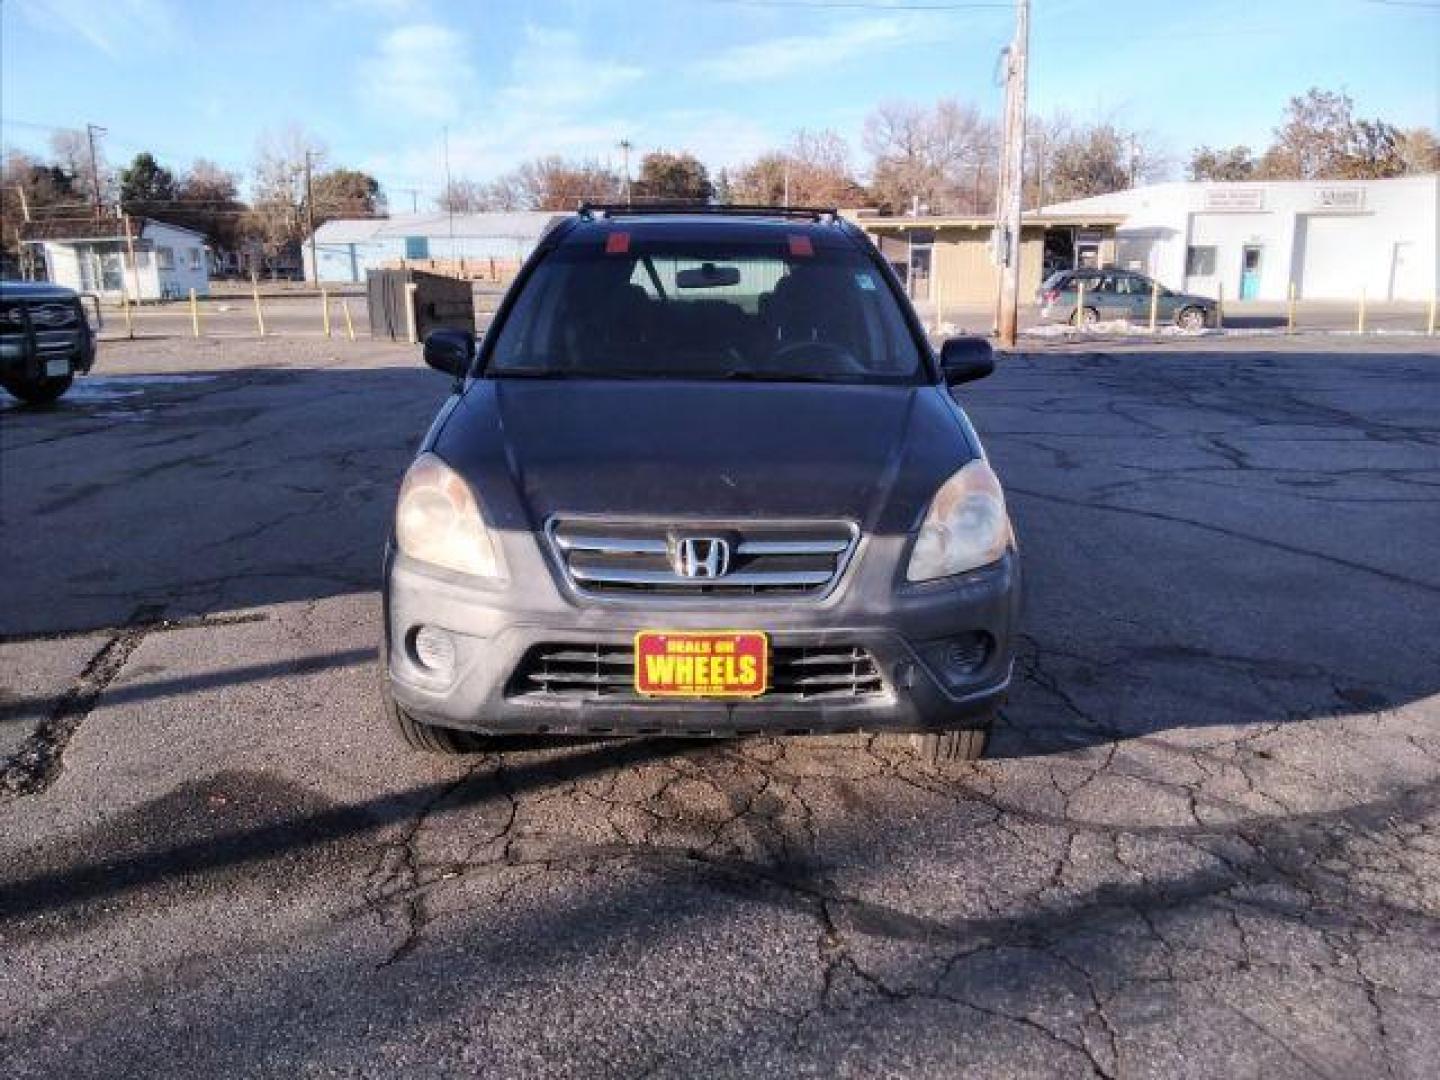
(551, 75)
(717, 137)
(556, 99)
(115, 27)
(420, 71)
(778, 58)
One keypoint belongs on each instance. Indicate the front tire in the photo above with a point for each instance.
(42, 391)
(1191, 318)
(1086, 318)
(428, 738)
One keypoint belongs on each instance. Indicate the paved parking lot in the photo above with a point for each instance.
(1206, 843)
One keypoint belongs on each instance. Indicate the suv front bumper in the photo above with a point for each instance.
(912, 634)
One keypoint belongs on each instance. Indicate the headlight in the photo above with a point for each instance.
(438, 521)
(967, 526)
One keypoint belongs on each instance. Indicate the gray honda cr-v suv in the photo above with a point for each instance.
(703, 476)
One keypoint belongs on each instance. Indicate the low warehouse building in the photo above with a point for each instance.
(491, 245)
(1330, 240)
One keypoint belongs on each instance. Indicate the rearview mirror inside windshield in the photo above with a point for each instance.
(707, 276)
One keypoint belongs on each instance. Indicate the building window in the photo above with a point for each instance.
(194, 258)
(166, 257)
(417, 247)
(1200, 261)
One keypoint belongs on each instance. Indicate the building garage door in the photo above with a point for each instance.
(1329, 257)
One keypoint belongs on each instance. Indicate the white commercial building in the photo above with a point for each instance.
(95, 256)
(1331, 240)
(490, 244)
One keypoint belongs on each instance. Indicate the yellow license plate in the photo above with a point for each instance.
(710, 663)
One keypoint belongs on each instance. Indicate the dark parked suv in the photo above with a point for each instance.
(703, 476)
(45, 340)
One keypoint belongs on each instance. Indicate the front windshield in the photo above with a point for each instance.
(786, 309)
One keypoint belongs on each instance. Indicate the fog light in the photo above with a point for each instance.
(434, 649)
(966, 654)
(957, 659)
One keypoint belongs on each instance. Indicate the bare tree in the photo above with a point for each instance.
(1236, 163)
(1321, 139)
(462, 197)
(936, 156)
(1420, 151)
(71, 151)
(814, 170)
(472, 196)
(665, 175)
(276, 219)
(210, 203)
(1093, 159)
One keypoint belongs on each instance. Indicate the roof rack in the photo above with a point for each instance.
(612, 210)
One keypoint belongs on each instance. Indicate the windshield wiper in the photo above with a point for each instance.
(779, 376)
(566, 373)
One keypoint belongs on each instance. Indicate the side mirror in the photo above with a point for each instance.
(965, 359)
(450, 351)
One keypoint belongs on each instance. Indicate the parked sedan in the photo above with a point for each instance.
(1123, 295)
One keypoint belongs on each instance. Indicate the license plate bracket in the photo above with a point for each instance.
(702, 663)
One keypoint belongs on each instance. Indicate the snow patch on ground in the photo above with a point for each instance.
(100, 389)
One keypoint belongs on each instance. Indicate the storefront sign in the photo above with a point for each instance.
(1340, 198)
(1234, 198)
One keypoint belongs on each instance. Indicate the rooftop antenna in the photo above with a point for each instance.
(625, 147)
(449, 190)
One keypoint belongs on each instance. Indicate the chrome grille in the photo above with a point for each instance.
(594, 671)
(53, 316)
(764, 558)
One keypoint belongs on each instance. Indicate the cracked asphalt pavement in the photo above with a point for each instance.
(1205, 843)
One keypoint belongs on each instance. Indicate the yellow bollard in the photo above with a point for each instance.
(1360, 315)
(194, 315)
(1430, 323)
(1220, 306)
(129, 322)
(325, 309)
(1080, 304)
(1154, 304)
(411, 328)
(349, 323)
(935, 288)
(259, 315)
(1290, 311)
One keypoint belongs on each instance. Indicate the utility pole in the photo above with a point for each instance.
(1014, 188)
(625, 147)
(90, 131)
(310, 218)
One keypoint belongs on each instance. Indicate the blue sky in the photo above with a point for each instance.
(378, 80)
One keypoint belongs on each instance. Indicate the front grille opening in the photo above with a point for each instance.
(617, 559)
(596, 672)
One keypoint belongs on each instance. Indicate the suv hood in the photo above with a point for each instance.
(671, 448)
